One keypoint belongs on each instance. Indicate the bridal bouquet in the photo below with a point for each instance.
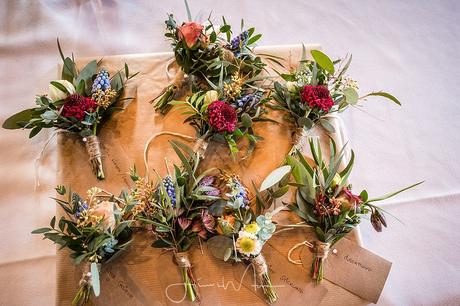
(316, 88)
(79, 102)
(177, 209)
(325, 201)
(225, 77)
(242, 234)
(93, 230)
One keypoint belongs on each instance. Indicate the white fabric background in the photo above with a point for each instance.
(409, 48)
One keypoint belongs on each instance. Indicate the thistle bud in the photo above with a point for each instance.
(381, 217)
(376, 223)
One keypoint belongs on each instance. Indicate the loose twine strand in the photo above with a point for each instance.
(318, 248)
(150, 140)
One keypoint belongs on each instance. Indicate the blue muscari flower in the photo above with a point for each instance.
(81, 208)
(238, 43)
(169, 186)
(108, 247)
(250, 100)
(102, 81)
(267, 228)
(238, 195)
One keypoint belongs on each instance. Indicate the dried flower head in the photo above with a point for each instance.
(233, 89)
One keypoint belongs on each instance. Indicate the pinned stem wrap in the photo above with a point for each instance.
(182, 259)
(320, 252)
(86, 282)
(299, 140)
(86, 278)
(183, 262)
(93, 148)
(261, 270)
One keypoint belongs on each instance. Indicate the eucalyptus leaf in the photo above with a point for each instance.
(274, 177)
(218, 246)
(351, 96)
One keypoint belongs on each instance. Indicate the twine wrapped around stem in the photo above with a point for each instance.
(85, 285)
(320, 252)
(93, 148)
(263, 277)
(183, 262)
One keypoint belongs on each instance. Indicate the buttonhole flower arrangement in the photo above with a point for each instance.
(242, 233)
(177, 209)
(316, 88)
(325, 201)
(207, 53)
(93, 229)
(79, 102)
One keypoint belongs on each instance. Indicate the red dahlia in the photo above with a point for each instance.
(76, 105)
(222, 116)
(317, 96)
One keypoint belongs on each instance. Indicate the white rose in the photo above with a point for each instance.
(291, 86)
(211, 96)
(105, 210)
(55, 94)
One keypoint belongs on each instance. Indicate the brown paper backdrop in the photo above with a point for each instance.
(141, 274)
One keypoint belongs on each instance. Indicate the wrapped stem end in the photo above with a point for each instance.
(190, 285)
(320, 253)
(263, 277)
(93, 148)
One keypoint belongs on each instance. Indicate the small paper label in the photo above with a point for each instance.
(357, 270)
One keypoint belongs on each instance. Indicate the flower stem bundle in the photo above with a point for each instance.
(94, 230)
(177, 209)
(324, 200)
(79, 102)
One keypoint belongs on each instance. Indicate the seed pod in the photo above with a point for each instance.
(381, 217)
(376, 223)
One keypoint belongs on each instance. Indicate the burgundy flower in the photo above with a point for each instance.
(317, 96)
(208, 220)
(77, 105)
(222, 116)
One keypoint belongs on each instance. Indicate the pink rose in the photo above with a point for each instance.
(105, 210)
(191, 32)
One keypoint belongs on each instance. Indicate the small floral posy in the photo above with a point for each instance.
(242, 234)
(94, 230)
(225, 74)
(325, 201)
(78, 103)
(314, 89)
(177, 210)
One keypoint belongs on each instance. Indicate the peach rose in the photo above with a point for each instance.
(348, 200)
(191, 32)
(105, 210)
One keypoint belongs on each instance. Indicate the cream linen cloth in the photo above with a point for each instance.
(408, 48)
